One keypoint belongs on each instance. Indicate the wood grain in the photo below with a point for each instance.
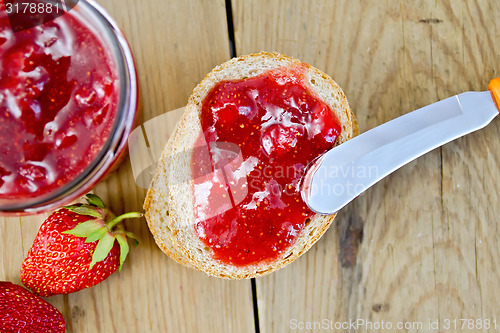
(175, 44)
(423, 244)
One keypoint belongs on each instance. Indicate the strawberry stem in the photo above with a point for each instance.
(120, 218)
(100, 230)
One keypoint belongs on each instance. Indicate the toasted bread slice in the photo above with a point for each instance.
(169, 202)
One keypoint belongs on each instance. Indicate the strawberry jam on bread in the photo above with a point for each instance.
(225, 198)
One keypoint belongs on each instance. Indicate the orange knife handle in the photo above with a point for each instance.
(494, 87)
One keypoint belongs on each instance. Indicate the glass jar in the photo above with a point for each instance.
(97, 20)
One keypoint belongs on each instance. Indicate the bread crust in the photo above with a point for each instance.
(168, 204)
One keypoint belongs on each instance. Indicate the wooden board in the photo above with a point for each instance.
(175, 44)
(423, 244)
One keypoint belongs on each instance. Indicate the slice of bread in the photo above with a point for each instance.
(169, 202)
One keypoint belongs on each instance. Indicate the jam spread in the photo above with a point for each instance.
(58, 99)
(261, 133)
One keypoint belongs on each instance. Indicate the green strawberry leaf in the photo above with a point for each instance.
(102, 249)
(84, 210)
(93, 199)
(124, 249)
(85, 229)
(96, 235)
(131, 235)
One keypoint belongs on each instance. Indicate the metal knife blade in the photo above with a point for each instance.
(346, 171)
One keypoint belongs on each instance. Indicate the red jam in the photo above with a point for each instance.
(255, 210)
(58, 100)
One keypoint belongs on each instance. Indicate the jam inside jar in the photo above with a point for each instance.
(279, 125)
(68, 97)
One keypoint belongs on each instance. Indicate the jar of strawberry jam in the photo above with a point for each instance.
(68, 100)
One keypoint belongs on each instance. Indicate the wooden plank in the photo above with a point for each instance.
(175, 44)
(469, 232)
(415, 247)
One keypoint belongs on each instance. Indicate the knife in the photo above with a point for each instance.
(346, 171)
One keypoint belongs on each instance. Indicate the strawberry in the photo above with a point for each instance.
(23, 312)
(76, 247)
